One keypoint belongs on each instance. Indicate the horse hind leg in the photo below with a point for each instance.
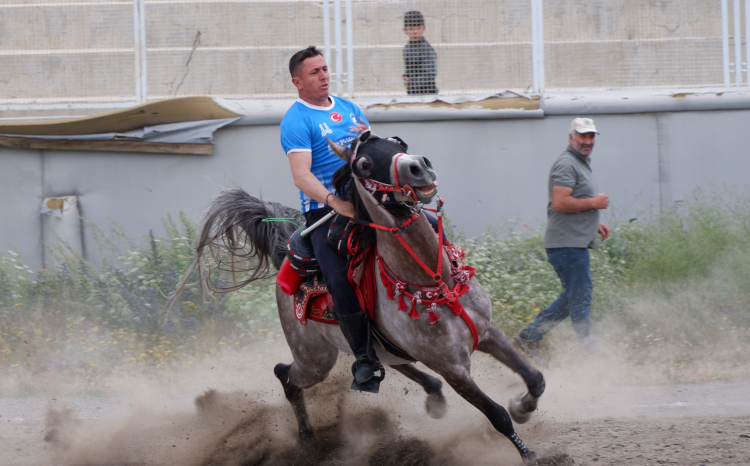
(497, 345)
(435, 404)
(297, 399)
(313, 360)
(465, 386)
(314, 357)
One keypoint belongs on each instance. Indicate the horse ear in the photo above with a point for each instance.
(365, 135)
(340, 151)
(400, 142)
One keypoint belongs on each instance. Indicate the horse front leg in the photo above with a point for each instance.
(435, 404)
(461, 381)
(497, 345)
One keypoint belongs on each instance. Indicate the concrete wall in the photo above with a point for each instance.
(489, 171)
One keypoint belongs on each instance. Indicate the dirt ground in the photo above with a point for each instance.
(231, 412)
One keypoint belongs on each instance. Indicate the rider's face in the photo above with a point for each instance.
(312, 80)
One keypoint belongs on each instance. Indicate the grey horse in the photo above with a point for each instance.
(234, 231)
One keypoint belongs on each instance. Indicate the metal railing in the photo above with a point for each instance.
(65, 54)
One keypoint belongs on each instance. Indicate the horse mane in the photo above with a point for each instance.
(343, 183)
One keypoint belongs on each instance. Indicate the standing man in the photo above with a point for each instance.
(572, 226)
(308, 124)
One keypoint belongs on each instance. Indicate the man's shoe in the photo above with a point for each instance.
(356, 330)
(363, 370)
(530, 347)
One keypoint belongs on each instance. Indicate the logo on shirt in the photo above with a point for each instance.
(335, 117)
(354, 118)
(324, 129)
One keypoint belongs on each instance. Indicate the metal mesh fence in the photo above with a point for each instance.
(66, 51)
(89, 51)
(481, 45)
(602, 44)
(237, 49)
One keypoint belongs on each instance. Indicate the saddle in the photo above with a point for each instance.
(311, 298)
(313, 302)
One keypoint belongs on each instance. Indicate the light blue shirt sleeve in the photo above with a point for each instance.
(295, 134)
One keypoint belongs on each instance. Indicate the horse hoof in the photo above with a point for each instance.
(530, 458)
(307, 438)
(281, 371)
(518, 412)
(435, 405)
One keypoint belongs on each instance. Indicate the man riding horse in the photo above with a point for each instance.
(387, 189)
(306, 128)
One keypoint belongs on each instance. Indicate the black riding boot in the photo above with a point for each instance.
(356, 330)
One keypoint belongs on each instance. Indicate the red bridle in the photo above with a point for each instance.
(449, 295)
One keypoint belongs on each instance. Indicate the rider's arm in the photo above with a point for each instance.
(301, 162)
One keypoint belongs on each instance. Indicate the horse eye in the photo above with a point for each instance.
(363, 164)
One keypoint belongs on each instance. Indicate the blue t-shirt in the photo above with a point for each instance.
(305, 127)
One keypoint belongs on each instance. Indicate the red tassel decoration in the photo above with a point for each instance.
(401, 303)
(433, 317)
(413, 313)
(387, 283)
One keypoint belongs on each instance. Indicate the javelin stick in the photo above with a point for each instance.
(318, 223)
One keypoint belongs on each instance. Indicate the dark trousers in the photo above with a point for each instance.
(335, 267)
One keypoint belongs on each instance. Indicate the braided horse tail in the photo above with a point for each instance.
(240, 241)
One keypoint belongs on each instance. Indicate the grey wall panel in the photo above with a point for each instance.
(138, 190)
(705, 148)
(20, 227)
(489, 171)
(625, 162)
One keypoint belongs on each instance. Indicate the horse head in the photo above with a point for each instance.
(385, 161)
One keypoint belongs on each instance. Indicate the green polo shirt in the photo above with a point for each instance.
(578, 230)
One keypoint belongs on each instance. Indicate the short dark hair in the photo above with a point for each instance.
(413, 19)
(296, 61)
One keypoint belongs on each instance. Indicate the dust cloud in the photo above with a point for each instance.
(229, 410)
(255, 425)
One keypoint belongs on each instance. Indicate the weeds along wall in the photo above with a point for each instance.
(490, 171)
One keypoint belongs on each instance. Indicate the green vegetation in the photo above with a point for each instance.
(668, 289)
(87, 319)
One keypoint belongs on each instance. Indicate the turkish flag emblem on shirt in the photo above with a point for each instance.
(335, 117)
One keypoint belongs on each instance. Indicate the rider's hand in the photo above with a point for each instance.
(342, 207)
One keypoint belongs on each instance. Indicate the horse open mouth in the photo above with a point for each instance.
(428, 190)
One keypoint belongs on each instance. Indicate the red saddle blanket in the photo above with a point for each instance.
(312, 300)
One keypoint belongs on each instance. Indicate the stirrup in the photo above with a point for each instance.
(372, 385)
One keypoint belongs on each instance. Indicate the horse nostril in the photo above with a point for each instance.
(427, 162)
(415, 170)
